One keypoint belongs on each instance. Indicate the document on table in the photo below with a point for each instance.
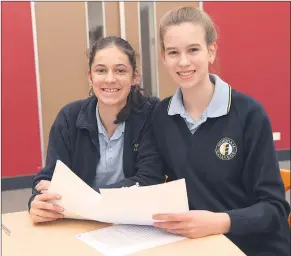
(133, 205)
(123, 240)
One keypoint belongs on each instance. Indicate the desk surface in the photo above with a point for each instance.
(58, 238)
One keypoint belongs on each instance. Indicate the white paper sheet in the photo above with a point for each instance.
(78, 199)
(123, 240)
(134, 205)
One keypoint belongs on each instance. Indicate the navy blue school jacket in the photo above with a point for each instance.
(74, 140)
(230, 166)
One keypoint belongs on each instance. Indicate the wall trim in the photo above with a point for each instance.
(122, 19)
(104, 19)
(21, 182)
(157, 47)
(38, 87)
(284, 155)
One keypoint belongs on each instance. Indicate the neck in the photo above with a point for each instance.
(196, 99)
(108, 116)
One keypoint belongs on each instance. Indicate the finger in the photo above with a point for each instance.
(43, 184)
(38, 219)
(46, 213)
(172, 217)
(180, 232)
(47, 196)
(173, 225)
(44, 191)
(46, 206)
(37, 185)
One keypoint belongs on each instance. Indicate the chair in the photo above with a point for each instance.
(285, 174)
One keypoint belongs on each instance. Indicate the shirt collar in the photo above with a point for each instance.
(218, 106)
(101, 129)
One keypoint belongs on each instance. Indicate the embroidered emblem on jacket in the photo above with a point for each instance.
(226, 149)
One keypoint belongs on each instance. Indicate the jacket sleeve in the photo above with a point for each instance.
(58, 148)
(262, 180)
(149, 163)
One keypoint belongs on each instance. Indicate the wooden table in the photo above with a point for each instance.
(58, 238)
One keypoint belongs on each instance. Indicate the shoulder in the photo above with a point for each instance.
(150, 105)
(71, 111)
(163, 106)
(247, 108)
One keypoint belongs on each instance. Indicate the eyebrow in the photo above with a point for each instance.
(191, 45)
(102, 65)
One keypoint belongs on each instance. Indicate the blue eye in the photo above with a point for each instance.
(193, 49)
(172, 52)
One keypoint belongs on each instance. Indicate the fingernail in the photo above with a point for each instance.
(58, 197)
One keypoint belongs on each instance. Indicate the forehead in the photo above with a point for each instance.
(111, 55)
(184, 34)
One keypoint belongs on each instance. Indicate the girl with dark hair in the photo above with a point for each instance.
(105, 139)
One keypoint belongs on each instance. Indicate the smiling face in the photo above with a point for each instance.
(111, 76)
(187, 55)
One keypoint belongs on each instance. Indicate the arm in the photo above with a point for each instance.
(149, 162)
(58, 148)
(149, 165)
(263, 183)
(261, 177)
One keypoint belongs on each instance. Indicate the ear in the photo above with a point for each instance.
(163, 57)
(212, 49)
(89, 78)
(136, 77)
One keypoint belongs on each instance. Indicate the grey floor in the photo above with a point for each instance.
(16, 200)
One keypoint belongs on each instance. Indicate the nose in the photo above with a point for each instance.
(110, 77)
(184, 60)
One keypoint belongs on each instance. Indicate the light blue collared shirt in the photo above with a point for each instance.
(110, 167)
(218, 106)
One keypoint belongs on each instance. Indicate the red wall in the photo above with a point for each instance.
(254, 55)
(21, 153)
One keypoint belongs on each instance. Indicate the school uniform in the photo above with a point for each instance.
(228, 160)
(79, 140)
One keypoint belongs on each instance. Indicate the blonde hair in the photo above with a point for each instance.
(188, 14)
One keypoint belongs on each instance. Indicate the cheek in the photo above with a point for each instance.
(170, 63)
(97, 80)
(126, 86)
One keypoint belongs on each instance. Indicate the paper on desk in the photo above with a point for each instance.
(122, 240)
(134, 205)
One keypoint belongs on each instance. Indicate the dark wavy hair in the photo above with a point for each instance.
(137, 95)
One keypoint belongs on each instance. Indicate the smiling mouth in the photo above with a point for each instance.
(186, 73)
(110, 90)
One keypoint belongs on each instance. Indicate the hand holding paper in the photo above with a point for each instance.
(134, 205)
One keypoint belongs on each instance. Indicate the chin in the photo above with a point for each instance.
(187, 85)
(111, 101)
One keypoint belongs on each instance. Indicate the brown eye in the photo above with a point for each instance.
(121, 71)
(101, 71)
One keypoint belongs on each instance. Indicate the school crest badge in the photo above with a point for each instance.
(226, 149)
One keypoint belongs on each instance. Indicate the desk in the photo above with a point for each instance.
(58, 238)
